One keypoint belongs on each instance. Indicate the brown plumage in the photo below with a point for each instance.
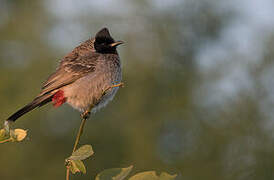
(82, 76)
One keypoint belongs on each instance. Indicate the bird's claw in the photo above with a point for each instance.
(85, 115)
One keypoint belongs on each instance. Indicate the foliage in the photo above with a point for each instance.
(151, 175)
(114, 173)
(75, 162)
(122, 173)
(82, 153)
(12, 135)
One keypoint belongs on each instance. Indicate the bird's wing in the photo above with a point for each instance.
(72, 67)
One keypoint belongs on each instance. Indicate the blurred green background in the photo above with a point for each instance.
(198, 98)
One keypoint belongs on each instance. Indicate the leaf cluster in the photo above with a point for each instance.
(122, 173)
(75, 164)
(12, 135)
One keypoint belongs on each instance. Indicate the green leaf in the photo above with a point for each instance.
(77, 166)
(151, 175)
(82, 153)
(166, 176)
(114, 174)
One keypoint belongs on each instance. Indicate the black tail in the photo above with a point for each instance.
(37, 102)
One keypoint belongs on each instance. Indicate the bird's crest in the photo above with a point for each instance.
(103, 33)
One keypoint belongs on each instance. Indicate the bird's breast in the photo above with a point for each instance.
(89, 89)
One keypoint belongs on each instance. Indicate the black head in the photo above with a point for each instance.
(104, 43)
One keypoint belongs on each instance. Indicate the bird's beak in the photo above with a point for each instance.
(117, 43)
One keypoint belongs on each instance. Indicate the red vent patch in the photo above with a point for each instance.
(58, 98)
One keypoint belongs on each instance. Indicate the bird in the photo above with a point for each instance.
(87, 78)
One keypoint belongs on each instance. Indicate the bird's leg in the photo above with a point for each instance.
(113, 86)
(86, 113)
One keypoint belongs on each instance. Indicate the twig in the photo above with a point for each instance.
(5, 140)
(67, 174)
(113, 86)
(80, 132)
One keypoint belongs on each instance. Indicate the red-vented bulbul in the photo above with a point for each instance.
(87, 78)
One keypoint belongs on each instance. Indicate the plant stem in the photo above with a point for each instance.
(67, 174)
(80, 132)
(5, 140)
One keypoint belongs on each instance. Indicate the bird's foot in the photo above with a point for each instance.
(86, 114)
(113, 86)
